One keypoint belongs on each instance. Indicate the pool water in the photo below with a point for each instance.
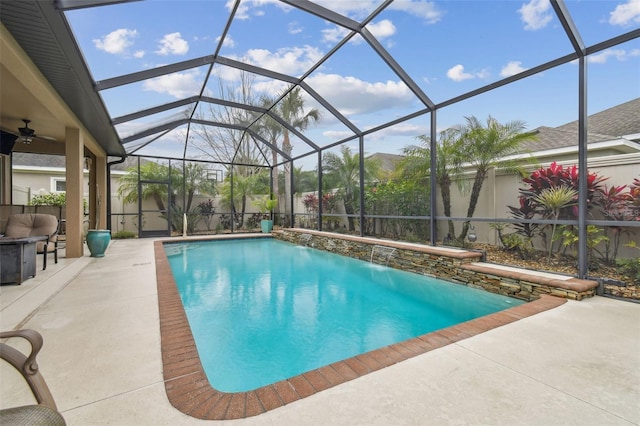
(263, 310)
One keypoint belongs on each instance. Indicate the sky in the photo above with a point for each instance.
(448, 48)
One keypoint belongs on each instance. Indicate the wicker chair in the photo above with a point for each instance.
(36, 224)
(43, 413)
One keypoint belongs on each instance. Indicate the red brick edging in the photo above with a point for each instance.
(189, 390)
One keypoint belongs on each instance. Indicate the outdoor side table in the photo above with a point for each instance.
(18, 258)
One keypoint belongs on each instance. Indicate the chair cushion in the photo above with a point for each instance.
(31, 225)
(31, 415)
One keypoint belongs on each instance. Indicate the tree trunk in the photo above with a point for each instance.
(348, 209)
(481, 174)
(274, 174)
(286, 147)
(445, 191)
(158, 199)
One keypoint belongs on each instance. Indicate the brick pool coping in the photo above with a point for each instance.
(189, 390)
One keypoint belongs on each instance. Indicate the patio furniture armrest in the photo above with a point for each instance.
(27, 365)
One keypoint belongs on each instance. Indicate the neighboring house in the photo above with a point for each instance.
(612, 132)
(35, 174)
(613, 151)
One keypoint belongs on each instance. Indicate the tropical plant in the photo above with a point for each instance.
(556, 175)
(151, 172)
(416, 166)
(595, 236)
(398, 198)
(634, 202)
(207, 211)
(526, 210)
(242, 189)
(514, 241)
(265, 204)
(488, 147)
(346, 168)
(192, 179)
(614, 204)
(292, 111)
(631, 266)
(554, 200)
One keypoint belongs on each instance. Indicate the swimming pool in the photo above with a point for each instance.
(262, 310)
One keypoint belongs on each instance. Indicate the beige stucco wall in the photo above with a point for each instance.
(499, 193)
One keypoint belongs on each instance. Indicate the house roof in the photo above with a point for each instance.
(621, 120)
(58, 161)
(608, 125)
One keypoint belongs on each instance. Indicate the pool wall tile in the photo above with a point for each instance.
(189, 390)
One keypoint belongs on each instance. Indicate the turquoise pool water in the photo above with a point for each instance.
(263, 310)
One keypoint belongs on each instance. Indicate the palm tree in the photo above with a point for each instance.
(346, 168)
(151, 172)
(271, 130)
(291, 110)
(417, 166)
(192, 179)
(242, 190)
(486, 148)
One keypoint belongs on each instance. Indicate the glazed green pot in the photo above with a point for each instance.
(266, 225)
(98, 241)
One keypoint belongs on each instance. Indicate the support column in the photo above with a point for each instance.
(6, 184)
(74, 151)
(101, 191)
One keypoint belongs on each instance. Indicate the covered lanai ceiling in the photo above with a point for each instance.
(201, 80)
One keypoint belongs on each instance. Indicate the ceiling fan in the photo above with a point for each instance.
(27, 134)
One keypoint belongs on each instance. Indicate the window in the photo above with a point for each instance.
(58, 185)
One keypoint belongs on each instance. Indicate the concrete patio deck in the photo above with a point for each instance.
(578, 363)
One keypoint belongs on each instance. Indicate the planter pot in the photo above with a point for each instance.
(266, 225)
(98, 241)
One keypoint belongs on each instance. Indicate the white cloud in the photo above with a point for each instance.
(173, 44)
(337, 134)
(250, 8)
(512, 68)
(406, 129)
(139, 54)
(456, 73)
(536, 14)
(334, 34)
(179, 85)
(359, 9)
(290, 60)
(626, 13)
(355, 9)
(228, 41)
(426, 10)
(351, 95)
(294, 28)
(619, 54)
(117, 41)
(382, 29)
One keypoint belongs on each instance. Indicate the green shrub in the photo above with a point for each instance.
(631, 267)
(50, 199)
(122, 235)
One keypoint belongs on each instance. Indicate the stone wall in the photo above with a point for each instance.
(455, 265)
